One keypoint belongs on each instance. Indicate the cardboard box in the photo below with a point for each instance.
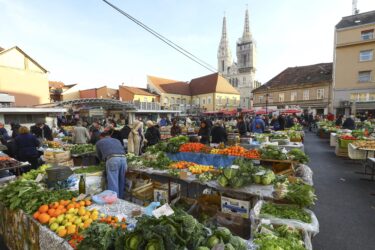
(236, 224)
(235, 206)
(161, 192)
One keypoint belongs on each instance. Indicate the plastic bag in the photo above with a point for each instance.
(256, 218)
(305, 173)
(105, 197)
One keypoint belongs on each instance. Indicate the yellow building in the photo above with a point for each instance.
(127, 93)
(22, 77)
(354, 64)
(306, 87)
(207, 93)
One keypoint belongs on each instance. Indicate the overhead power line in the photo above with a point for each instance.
(164, 39)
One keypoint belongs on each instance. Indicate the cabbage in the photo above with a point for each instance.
(223, 233)
(213, 241)
(202, 248)
(268, 178)
(229, 246)
(229, 173)
(238, 243)
(222, 181)
(257, 179)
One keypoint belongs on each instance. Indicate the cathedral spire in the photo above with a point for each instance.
(246, 36)
(224, 54)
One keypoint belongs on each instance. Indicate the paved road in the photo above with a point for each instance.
(345, 209)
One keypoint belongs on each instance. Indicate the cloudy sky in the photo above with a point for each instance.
(87, 42)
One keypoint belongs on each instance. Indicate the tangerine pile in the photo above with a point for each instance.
(66, 217)
(114, 221)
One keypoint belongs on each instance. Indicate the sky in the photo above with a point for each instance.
(87, 42)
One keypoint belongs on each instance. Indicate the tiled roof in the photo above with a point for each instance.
(310, 74)
(170, 86)
(138, 91)
(356, 20)
(213, 83)
(56, 84)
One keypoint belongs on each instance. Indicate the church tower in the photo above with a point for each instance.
(246, 63)
(224, 56)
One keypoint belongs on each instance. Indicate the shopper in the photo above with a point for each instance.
(80, 135)
(339, 120)
(282, 121)
(175, 129)
(152, 135)
(112, 152)
(4, 136)
(349, 123)
(258, 125)
(113, 132)
(204, 133)
(241, 126)
(94, 132)
(134, 138)
(218, 133)
(26, 147)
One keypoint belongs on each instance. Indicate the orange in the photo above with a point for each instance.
(82, 203)
(43, 209)
(63, 211)
(51, 211)
(44, 218)
(62, 233)
(74, 199)
(60, 207)
(58, 212)
(71, 205)
(54, 205)
(77, 205)
(36, 215)
(87, 202)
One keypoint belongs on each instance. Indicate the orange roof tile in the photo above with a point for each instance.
(138, 91)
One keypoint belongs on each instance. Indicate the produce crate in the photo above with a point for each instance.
(209, 204)
(342, 152)
(235, 223)
(145, 192)
(235, 206)
(344, 143)
(333, 140)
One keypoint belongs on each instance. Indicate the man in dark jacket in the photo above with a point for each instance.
(218, 133)
(4, 136)
(282, 122)
(152, 134)
(241, 126)
(94, 132)
(349, 123)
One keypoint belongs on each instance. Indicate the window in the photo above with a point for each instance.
(219, 100)
(320, 94)
(244, 81)
(209, 100)
(234, 100)
(367, 34)
(365, 55)
(203, 101)
(306, 94)
(362, 97)
(244, 59)
(281, 97)
(183, 101)
(293, 96)
(364, 76)
(166, 100)
(197, 101)
(222, 65)
(178, 100)
(145, 99)
(172, 100)
(260, 99)
(227, 99)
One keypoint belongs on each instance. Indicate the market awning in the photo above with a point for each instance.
(290, 111)
(229, 112)
(263, 111)
(248, 111)
(98, 103)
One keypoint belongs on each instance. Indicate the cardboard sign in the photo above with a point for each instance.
(163, 210)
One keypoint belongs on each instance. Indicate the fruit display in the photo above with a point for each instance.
(195, 147)
(272, 152)
(206, 176)
(233, 151)
(278, 237)
(78, 149)
(252, 154)
(199, 169)
(53, 144)
(182, 164)
(171, 146)
(347, 137)
(66, 217)
(291, 212)
(295, 136)
(8, 162)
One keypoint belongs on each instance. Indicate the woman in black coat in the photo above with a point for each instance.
(152, 134)
(204, 133)
(26, 147)
(218, 133)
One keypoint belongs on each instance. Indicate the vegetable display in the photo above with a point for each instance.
(278, 237)
(88, 170)
(33, 173)
(78, 149)
(278, 137)
(192, 147)
(237, 176)
(171, 146)
(8, 162)
(264, 177)
(291, 212)
(272, 152)
(297, 193)
(298, 155)
(29, 195)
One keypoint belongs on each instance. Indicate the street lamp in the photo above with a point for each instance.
(267, 99)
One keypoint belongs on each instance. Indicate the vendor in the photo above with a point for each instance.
(175, 129)
(218, 133)
(112, 152)
(152, 135)
(204, 133)
(26, 147)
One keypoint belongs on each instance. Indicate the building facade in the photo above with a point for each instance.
(240, 73)
(354, 64)
(305, 87)
(22, 77)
